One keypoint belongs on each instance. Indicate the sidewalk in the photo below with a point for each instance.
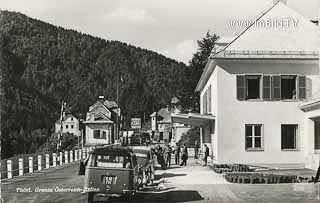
(191, 174)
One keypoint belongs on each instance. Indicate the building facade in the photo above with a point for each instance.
(100, 123)
(259, 95)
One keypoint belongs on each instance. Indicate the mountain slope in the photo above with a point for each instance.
(42, 64)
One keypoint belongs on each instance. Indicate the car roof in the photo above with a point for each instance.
(113, 150)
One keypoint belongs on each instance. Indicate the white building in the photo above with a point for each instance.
(100, 127)
(70, 124)
(260, 95)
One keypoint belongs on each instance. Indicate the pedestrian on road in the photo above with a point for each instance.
(196, 149)
(177, 154)
(206, 154)
(184, 155)
(168, 156)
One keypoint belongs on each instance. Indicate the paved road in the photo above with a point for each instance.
(193, 183)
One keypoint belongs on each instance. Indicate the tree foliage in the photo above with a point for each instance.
(42, 64)
(195, 69)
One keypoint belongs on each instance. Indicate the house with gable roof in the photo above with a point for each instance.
(100, 123)
(259, 95)
(70, 124)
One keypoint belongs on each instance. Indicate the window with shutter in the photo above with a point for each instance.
(241, 87)
(276, 87)
(302, 87)
(267, 87)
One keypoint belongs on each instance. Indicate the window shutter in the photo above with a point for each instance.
(302, 87)
(267, 87)
(308, 88)
(276, 87)
(241, 87)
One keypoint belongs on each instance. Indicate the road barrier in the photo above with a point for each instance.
(29, 163)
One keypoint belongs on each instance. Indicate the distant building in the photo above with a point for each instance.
(70, 124)
(100, 123)
(163, 128)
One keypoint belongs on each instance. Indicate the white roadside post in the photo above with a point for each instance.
(21, 167)
(54, 159)
(47, 161)
(66, 157)
(9, 168)
(76, 155)
(61, 156)
(80, 153)
(30, 164)
(71, 156)
(39, 163)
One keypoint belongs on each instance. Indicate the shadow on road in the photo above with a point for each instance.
(169, 175)
(173, 196)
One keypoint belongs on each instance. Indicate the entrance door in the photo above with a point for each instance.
(317, 136)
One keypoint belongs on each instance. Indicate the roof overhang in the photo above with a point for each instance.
(243, 54)
(207, 71)
(310, 105)
(194, 119)
(97, 122)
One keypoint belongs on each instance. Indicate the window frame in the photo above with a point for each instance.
(296, 86)
(297, 137)
(246, 77)
(252, 125)
(298, 77)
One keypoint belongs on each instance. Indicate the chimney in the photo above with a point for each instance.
(283, 1)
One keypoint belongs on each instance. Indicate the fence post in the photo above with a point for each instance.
(61, 156)
(71, 156)
(76, 155)
(21, 167)
(47, 161)
(39, 163)
(9, 168)
(83, 153)
(54, 159)
(30, 164)
(66, 157)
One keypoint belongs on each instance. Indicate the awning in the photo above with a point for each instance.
(194, 119)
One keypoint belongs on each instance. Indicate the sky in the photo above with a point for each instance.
(170, 27)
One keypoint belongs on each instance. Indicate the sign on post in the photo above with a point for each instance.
(135, 123)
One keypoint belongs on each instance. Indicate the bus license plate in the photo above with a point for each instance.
(109, 180)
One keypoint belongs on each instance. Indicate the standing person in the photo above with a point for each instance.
(206, 154)
(177, 154)
(184, 155)
(168, 157)
(196, 149)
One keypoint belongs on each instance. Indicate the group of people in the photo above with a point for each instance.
(181, 154)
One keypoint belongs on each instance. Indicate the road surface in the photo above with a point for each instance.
(193, 183)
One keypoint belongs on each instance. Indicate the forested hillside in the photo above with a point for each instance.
(42, 64)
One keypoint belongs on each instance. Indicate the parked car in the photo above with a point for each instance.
(112, 171)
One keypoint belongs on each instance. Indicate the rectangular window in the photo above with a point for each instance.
(289, 137)
(96, 134)
(253, 134)
(253, 87)
(204, 100)
(71, 126)
(67, 126)
(209, 99)
(288, 87)
(104, 135)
